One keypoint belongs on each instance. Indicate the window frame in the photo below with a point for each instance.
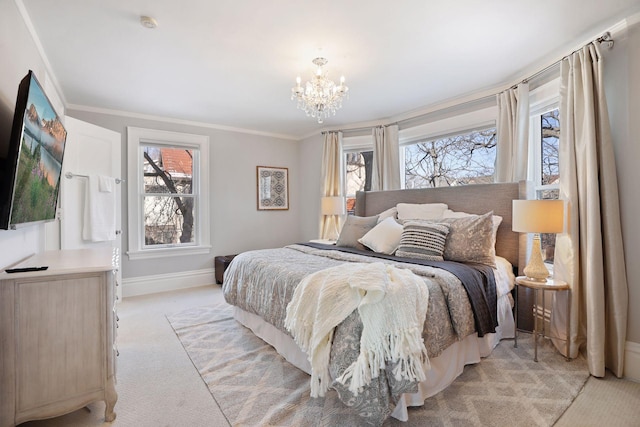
(454, 125)
(542, 100)
(136, 139)
(353, 144)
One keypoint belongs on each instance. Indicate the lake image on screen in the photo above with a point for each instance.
(40, 161)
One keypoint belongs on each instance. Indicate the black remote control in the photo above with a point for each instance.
(24, 269)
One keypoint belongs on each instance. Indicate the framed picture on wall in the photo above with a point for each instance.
(273, 188)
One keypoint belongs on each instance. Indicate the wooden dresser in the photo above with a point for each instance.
(57, 335)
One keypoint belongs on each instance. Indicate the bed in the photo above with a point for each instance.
(457, 330)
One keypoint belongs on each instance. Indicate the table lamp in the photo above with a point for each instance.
(537, 216)
(330, 206)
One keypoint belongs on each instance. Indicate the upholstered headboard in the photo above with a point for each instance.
(476, 199)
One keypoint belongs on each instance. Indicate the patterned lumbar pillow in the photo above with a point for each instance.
(424, 240)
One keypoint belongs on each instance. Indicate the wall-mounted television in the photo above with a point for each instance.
(31, 171)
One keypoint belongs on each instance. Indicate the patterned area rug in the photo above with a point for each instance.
(255, 386)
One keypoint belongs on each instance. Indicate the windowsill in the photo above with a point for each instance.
(169, 252)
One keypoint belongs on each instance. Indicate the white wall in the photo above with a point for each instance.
(18, 54)
(622, 72)
(310, 160)
(236, 224)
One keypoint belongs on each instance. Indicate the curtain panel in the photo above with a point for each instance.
(589, 255)
(513, 134)
(332, 184)
(386, 158)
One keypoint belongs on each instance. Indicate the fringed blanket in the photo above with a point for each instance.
(392, 304)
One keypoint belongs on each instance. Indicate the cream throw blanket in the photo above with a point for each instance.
(392, 304)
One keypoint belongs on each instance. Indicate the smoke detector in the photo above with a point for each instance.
(148, 22)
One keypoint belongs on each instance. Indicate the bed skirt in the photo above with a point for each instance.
(444, 369)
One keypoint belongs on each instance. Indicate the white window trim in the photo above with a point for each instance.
(541, 100)
(140, 136)
(455, 125)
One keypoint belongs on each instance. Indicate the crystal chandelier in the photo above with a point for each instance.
(320, 97)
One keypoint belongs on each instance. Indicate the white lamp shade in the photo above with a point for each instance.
(333, 205)
(538, 216)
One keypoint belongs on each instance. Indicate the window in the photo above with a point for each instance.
(358, 167)
(546, 138)
(168, 195)
(463, 158)
(167, 186)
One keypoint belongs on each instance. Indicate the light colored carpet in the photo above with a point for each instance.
(607, 401)
(158, 385)
(253, 385)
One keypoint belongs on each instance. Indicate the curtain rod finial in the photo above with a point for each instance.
(606, 40)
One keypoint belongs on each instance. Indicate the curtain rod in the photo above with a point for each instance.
(605, 39)
(399, 122)
(359, 129)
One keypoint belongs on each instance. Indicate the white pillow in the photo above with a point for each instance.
(420, 211)
(384, 238)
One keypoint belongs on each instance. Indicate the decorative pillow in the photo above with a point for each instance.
(497, 219)
(424, 211)
(389, 213)
(354, 228)
(424, 240)
(471, 239)
(384, 237)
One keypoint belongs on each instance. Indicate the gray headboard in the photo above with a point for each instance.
(476, 199)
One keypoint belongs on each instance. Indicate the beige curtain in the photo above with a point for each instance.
(513, 134)
(332, 165)
(386, 158)
(589, 255)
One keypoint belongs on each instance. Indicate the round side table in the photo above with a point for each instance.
(548, 285)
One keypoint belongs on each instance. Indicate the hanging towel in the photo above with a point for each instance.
(106, 184)
(100, 209)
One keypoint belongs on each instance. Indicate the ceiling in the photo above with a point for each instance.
(232, 63)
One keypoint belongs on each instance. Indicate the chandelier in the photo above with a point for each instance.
(320, 97)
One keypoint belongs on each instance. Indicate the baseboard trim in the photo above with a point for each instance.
(167, 282)
(632, 361)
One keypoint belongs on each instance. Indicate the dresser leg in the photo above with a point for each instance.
(111, 399)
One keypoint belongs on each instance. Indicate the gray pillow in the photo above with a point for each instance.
(471, 239)
(354, 228)
(423, 240)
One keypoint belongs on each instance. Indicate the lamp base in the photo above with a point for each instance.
(535, 269)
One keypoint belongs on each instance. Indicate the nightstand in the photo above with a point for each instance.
(550, 285)
(220, 264)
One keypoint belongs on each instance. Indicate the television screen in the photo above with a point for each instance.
(34, 161)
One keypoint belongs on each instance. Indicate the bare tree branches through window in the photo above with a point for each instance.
(168, 195)
(467, 158)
